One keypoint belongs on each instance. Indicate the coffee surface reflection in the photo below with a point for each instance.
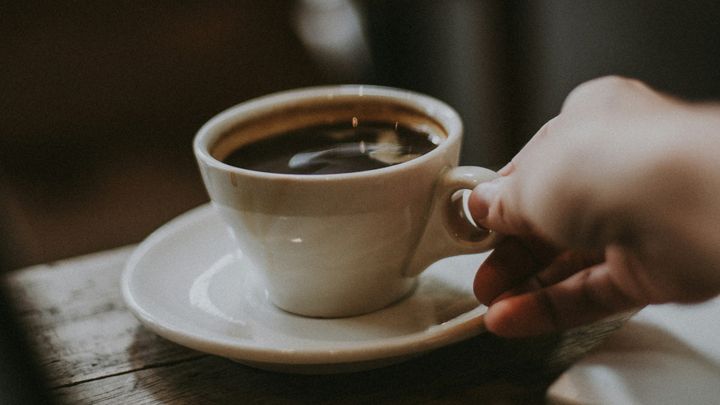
(337, 148)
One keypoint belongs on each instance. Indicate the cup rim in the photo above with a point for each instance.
(438, 110)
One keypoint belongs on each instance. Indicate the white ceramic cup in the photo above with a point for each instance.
(350, 243)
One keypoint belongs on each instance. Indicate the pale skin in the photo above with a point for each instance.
(613, 205)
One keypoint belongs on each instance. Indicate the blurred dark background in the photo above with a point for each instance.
(100, 100)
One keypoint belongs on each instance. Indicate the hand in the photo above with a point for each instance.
(612, 205)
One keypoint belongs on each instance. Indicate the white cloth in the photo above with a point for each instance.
(666, 354)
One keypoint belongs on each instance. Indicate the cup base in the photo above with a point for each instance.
(314, 308)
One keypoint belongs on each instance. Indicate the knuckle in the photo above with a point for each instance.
(601, 91)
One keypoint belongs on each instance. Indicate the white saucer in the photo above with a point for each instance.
(188, 283)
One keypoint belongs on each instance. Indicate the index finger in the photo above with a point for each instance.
(495, 204)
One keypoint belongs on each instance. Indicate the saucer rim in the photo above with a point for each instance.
(436, 336)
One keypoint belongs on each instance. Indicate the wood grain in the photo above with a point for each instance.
(95, 351)
(82, 330)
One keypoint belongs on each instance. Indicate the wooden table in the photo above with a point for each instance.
(94, 351)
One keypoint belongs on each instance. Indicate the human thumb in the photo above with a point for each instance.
(492, 206)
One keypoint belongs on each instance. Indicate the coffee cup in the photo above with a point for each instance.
(343, 243)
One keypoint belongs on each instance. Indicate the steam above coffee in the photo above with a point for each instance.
(337, 148)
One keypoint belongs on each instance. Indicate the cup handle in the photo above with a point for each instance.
(448, 232)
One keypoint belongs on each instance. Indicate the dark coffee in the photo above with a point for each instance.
(338, 148)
